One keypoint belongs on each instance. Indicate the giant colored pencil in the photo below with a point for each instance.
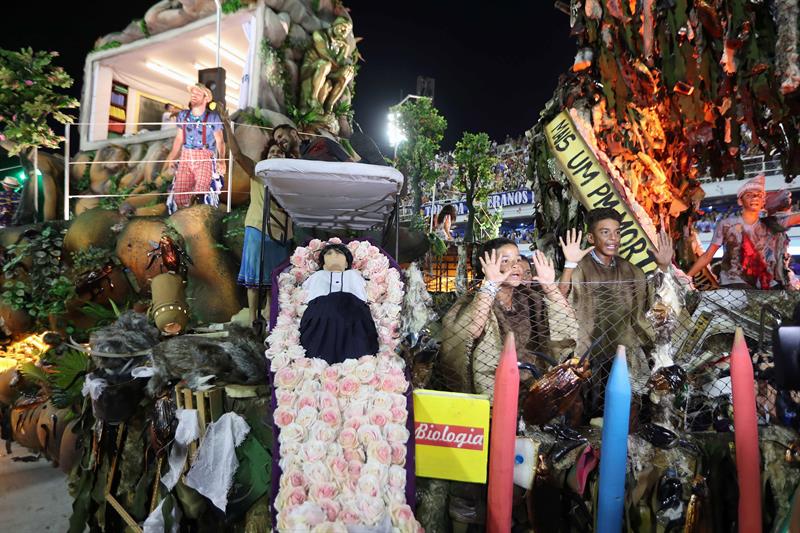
(614, 447)
(502, 440)
(745, 427)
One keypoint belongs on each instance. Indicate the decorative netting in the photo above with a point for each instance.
(677, 342)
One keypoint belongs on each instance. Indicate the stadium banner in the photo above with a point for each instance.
(495, 201)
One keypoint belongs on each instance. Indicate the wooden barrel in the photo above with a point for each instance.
(169, 310)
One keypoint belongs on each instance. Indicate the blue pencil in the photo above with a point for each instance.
(614, 447)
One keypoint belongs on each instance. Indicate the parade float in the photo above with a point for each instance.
(122, 363)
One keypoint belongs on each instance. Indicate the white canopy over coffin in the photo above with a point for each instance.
(330, 195)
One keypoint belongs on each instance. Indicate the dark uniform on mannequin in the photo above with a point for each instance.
(337, 324)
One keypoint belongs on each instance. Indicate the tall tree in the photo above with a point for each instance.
(474, 163)
(30, 100)
(29, 96)
(423, 128)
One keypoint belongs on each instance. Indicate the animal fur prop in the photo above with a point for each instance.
(203, 362)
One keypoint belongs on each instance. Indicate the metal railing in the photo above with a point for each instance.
(753, 166)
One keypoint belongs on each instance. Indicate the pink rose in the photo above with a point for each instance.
(402, 514)
(397, 477)
(327, 400)
(277, 361)
(380, 278)
(292, 432)
(294, 496)
(369, 486)
(396, 433)
(331, 509)
(379, 417)
(381, 401)
(399, 400)
(324, 490)
(337, 466)
(322, 432)
(365, 370)
(348, 386)
(306, 400)
(356, 454)
(315, 244)
(331, 416)
(317, 472)
(355, 422)
(347, 366)
(289, 451)
(313, 451)
(283, 416)
(335, 240)
(380, 451)
(399, 415)
(331, 373)
(355, 409)
(374, 292)
(349, 513)
(398, 454)
(368, 433)
(288, 377)
(354, 469)
(372, 509)
(303, 516)
(348, 438)
(293, 478)
(298, 257)
(306, 416)
(331, 387)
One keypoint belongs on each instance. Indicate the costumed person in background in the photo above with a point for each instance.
(9, 198)
(753, 255)
(279, 227)
(474, 328)
(610, 296)
(444, 221)
(275, 252)
(337, 324)
(288, 139)
(201, 145)
(168, 117)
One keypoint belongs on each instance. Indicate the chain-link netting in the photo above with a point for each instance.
(677, 342)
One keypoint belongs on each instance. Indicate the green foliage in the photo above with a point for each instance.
(35, 374)
(85, 180)
(474, 164)
(113, 201)
(46, 289)
(108, 46)
(29, 97)
(66, 377)
(254, 117)
(424, 128)
(438, 246)
(143, 26)
(304, 119)
(231, 6)
(91, 258)
(343, 109)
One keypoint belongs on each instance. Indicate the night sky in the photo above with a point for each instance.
(495, 63)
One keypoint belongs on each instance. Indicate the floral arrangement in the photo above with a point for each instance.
(343, 432)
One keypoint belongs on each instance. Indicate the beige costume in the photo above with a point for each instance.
(538, 323)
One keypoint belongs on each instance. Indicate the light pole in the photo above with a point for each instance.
(394, 132)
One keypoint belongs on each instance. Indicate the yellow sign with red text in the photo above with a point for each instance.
(451, 433)
(595, 189)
